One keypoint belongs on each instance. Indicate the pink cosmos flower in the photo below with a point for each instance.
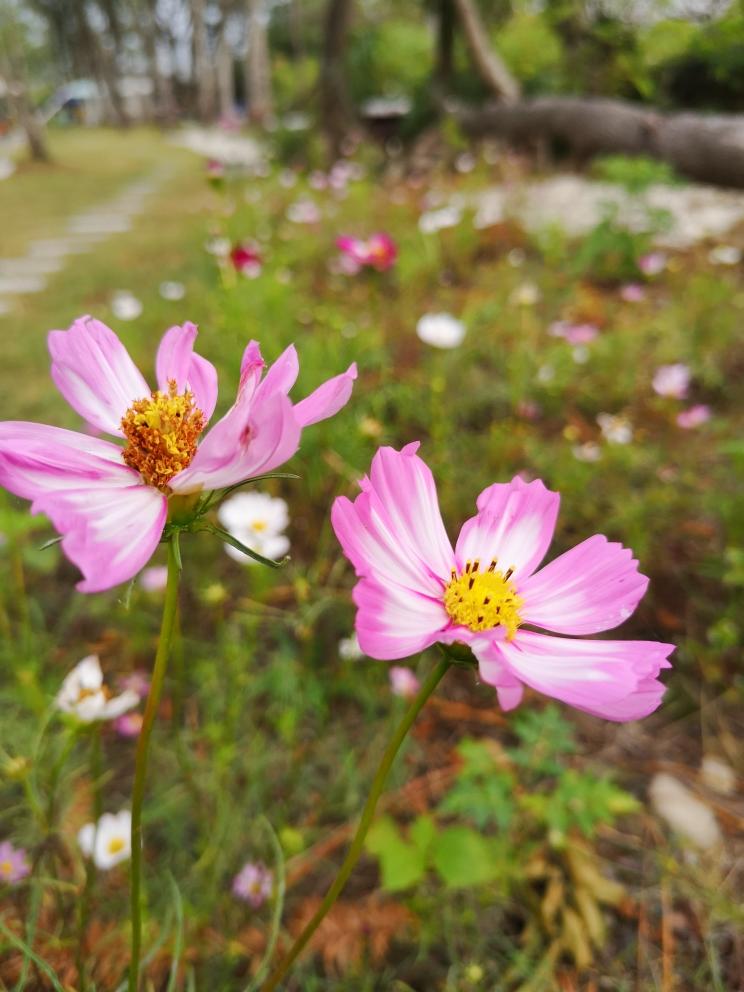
(403, 682)
(694, 416)
(633, 292)
(111, 501)
(129, 724)
(137, 681)
(378, 252)
(215, 171)
(672, 380)
(574, 334)
(154, 579)
(415, 590)
(253, 884)
(246, 260)
(14, 864)
(652, 263)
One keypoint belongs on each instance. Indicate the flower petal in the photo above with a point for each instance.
(176, 360)
(282, 375)
(110, 530)
(493, 671)
(406, 488)
(394, 622)
(93, 371)
(379, 547)
(611, 679)
(37, 459)
(252, 438)
(514, 525)
(594, 586)
(326, 399)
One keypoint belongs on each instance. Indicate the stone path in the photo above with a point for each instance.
(223, 146)
(577, 204)
(44, 257)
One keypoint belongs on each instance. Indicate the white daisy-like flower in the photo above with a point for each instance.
(107, 842)
(437, 220)
(725, 255)
(258, 521)
(125, 305)
(348, 648)
(525, 295)
(441, 330)
(219, 247)
(84, 696)
(616, 430)
(173, 291)
(304, 211)
(587, 452)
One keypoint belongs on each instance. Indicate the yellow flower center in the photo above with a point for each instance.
(161, 433)
(6, 869)
(115, 845)
(259, 525)
(482, 600)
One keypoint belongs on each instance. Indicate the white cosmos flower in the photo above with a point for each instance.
(258, 521)
(437, 220)
(725, 255)
(616, 430)
(441, 330)
(125, 305)
(304, 211)
(172, 290)
(348, 648)
(108, 842)
(84, 695)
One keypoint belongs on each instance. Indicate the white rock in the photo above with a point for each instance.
(716, 774)
(684, 812)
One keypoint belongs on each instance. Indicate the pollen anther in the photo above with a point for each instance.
(483, 600)
(162, 432)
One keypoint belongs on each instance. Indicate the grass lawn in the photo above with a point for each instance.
(517, 851)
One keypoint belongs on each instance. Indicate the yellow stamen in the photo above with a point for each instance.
(6, 869)
(259, 525)
(115, 845)
(482, 600)
(161, 432)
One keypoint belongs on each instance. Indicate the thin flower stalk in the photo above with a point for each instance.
(170, 611)
(365, 822)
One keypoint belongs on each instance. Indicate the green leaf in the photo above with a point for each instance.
(464, 858)
(401, 864)
(422, 832)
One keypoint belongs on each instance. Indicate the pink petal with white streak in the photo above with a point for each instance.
(594, 586)
(93, 371)
(110, 521)
(394, 622)
(612, 679)
(514, 526)
(176, 360)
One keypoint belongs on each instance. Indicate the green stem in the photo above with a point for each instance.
(96, 771)
(357, 844)
(170, 609)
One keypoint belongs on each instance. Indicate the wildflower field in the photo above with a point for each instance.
(553, 819)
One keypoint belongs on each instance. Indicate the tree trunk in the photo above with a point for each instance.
(337, 113)
(225, 82)
(203, 74)
(445, 60)
(14, 71)
(489, 66)
(709, 148)
(258, 65)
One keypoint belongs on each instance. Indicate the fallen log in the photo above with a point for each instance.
(707, 147)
